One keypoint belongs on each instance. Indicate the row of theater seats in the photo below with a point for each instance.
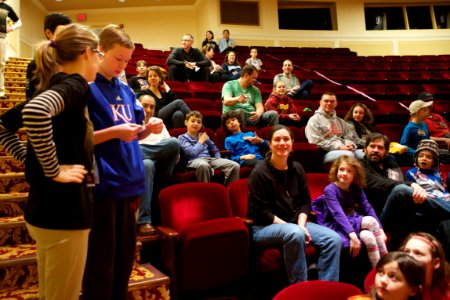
(198, 231)
(206, 243)
(384, 111)
(309, 155)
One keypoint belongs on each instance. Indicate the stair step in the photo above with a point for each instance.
(18, 276)
(12, 183)
(8, 164)
(13, 231)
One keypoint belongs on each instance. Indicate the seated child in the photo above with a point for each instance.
(254, 60)
(426, 172)
(202, 154)
(340, 206)
(416, 130)
(139, 82)
(244, 146)
(399, 276)
(280, 102)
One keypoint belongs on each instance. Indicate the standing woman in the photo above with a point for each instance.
(58, 159)
(279, 204)
(169, 108)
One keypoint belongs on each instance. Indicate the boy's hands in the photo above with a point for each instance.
(155, 125)
(127, 131)
(203, 137)
(70, 173)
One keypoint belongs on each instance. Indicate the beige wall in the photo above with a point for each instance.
(13, 48)
(32, 15)
(162, 27)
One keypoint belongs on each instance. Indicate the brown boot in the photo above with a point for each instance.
(146, 229)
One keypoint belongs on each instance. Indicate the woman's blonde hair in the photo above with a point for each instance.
(359, 179)
(68, 43)
(113, 34)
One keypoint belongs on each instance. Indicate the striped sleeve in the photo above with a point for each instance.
(37, 119)
(12, 144)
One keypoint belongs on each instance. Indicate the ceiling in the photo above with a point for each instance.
(52, 5)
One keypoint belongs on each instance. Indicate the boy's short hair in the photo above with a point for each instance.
(141, 62)
(230, 115)
(54, 20)
(194, 114)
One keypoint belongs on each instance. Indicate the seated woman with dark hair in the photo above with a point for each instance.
(216, 73)
(280, 203)
(231, 66)
(209, 40)
(169, 108)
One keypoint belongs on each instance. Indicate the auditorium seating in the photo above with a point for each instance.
(317, 289)
(203, 245)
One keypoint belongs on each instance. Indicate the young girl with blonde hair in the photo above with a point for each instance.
(58, 158)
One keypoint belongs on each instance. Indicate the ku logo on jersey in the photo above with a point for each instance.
(122, 112)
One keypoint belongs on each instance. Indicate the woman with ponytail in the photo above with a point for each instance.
(58, 158)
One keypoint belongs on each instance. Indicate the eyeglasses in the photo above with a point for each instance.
(186, 40)
(98, 52)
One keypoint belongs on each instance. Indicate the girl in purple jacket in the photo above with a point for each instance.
(344, 208)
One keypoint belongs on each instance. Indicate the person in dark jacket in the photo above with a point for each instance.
(404, 207)
(187, 63)
(279, 204)
(169, 108)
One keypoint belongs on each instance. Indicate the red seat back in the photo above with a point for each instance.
(187, 203)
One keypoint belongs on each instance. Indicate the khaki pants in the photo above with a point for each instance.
(3, 46)
(61, 260)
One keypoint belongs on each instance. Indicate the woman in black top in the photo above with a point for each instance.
(279, 204)
(169, 108)
(58, 158)
(209, 40)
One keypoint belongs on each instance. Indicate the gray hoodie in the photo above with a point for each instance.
(328, 132)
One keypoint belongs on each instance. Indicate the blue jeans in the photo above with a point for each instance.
(292, 238)
(304, 91)
(161, 157)
(334, 154)
(401, 215)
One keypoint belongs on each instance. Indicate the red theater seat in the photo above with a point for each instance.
(204, 246)
(317, 289)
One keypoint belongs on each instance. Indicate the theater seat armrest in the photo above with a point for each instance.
(246, 221)
(167, 232)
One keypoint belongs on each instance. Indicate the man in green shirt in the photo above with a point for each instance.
(242, 96)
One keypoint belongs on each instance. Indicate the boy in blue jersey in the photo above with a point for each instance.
(115, 115)
(202, 154)
(244, 146)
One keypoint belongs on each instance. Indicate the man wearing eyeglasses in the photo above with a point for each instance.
(187, 63)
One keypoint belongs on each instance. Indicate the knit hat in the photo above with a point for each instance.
(431, 146)
(415, 106)
(425, 96)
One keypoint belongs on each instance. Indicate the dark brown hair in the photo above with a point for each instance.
(368, 117)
